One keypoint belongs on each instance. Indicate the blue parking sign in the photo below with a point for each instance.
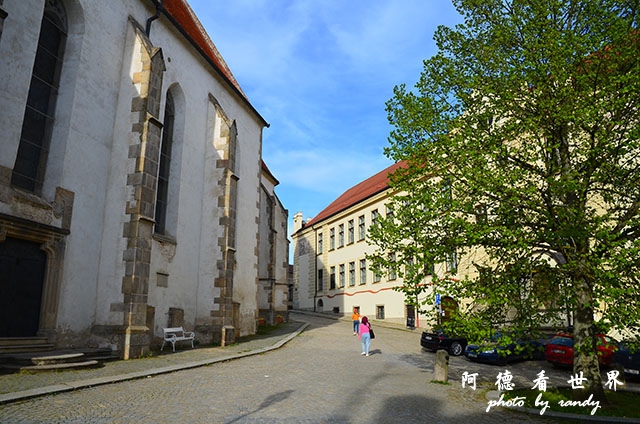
(437, 299)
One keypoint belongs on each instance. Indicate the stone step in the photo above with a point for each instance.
(53, 367)
(42, 358)
(16, 341)
(26, 348)
(100, 354)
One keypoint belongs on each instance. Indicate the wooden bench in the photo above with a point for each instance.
(176, 334)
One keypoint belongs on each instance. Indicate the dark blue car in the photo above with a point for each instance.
(494, 351)
(629, 357)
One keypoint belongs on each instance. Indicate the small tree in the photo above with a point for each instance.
(522, 151)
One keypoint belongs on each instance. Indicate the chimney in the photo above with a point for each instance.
(297, 222)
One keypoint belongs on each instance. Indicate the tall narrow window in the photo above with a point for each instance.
(361, 228)
(341, 235)
(165, 162)
(352, 273)
(363, 271)
(332, 239)
(452, 261)
(393, 272)
(351, 233)
(39, 113)
(320, 282)
(332, 278)
(319, 243)
(341, 275)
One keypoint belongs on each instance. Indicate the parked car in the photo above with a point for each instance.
(494, 351)
(628, 356)
(559, 350)
(455, 345)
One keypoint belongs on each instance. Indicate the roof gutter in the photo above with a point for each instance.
(158, 4)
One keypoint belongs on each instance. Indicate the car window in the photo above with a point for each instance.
(609, 340)
(561, 341)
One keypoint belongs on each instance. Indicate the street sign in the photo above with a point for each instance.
(437, 299)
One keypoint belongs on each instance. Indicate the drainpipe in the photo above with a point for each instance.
(159, 8)
(315, 272)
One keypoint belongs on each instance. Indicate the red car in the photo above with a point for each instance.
(559, 349)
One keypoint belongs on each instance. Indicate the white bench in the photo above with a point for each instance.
(176, 334)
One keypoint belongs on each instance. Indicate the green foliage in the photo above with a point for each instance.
(522, 146)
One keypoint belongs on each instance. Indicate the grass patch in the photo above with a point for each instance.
(619, 404)
(440, 382)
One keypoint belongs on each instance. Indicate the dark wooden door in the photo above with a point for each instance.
(22, 268)
(449, 307)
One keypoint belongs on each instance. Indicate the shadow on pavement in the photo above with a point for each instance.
(270, 400)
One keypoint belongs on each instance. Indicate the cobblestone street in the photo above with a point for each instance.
(319, 376)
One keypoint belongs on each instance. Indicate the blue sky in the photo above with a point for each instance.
(320, 73)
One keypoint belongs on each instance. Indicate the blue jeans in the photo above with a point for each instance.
(366, 341)
(356, 326)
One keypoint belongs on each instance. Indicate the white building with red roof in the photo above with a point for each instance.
(130, 178)
(331, 271)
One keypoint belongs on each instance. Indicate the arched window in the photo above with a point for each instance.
(165, 162)
(37, 125)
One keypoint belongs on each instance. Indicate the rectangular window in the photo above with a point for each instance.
(341, 275)
(352, 273)
(481, 214)
(374, 216)
(351, 234)
(341, 235)
(332, 278)
(376, 275)
(408, 268)
(393, 273)
(452, 262)
(319, 280)
(363, 271)
(332, 239)
(361, 229)
(320, 243)
(389, 211)
(379, 311)
(429, 269)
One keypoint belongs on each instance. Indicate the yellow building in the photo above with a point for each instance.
(331, 272)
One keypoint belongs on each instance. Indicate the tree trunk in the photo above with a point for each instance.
(585, 358)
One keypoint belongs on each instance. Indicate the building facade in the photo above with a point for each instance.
(331, 271)
(273, 264)
(130, 177)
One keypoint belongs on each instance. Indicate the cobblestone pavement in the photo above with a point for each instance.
(24, 381)
(318, 377)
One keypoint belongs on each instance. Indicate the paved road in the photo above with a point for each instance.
(319, 377)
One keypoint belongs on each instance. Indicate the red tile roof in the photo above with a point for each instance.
(358, 193)
(183, 17)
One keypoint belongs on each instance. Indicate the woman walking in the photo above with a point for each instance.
(355, 316)
(365, 336)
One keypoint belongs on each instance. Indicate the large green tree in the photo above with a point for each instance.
(522, 149)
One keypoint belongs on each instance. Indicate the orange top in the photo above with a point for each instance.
(355, 316)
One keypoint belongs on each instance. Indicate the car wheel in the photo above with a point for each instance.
(455, 349)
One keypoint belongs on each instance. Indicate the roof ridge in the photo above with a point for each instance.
(212, 46)
(357, 193)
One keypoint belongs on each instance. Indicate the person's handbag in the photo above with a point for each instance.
(371, 333)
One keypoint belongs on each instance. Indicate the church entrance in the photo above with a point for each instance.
(22, 272)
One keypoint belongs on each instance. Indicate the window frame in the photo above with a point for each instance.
(361, 228)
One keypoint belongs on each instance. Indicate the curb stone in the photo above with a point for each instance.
(66, 387)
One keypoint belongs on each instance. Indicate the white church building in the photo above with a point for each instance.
(130, 179)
